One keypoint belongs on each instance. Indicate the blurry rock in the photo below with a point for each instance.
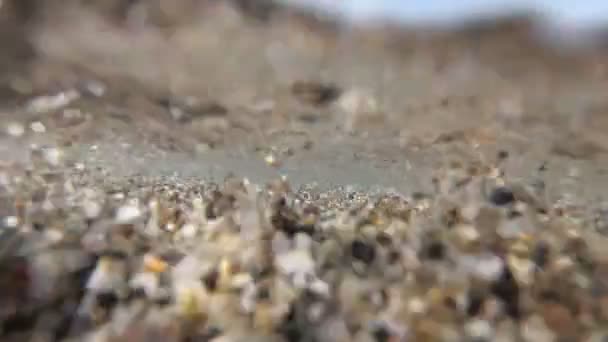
(38, 127)
(49, 103)
(70, 118)
(560, 320)
(211, 129)
(535, 329)
(194, 111)
(128, 213)
(479, 330)
(156, 330)
(577, 147)
(261, 9)
(359, 108)
(501, 196)
(315, 93)
(15, 129)
(93, 88)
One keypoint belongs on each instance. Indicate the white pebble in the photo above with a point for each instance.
(298, 261)
(11, 221)
(320, 287)
(91, 209)
(118, 196)
(128, 213)
(358, 106)
(53, 102)
(171, 227)
(54, 235)
(315, 312)
(486, 267)
(37, 127)
(241, 280)
(302, 241)
(188, 231)
(271, 160)
(53, 156)
(417, 306)
(96, 88)
(105, 278)
(176, 112)
(480, 329)
(248, 301)
(15, 129)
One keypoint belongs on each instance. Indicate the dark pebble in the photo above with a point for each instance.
(434, 251)
(18, 323)
(502, 196)
(540, 254)
(210, 280)
(475, 303)
(381, 334)
(507, 290)
(263, 293)
(291, 328)
(550, 296)
(513, 214)
(393, 257)
(363, 251)
(210, 334)
(113, 254)
(163, 301)
(136, 293)
(384, 239)
(106, 300)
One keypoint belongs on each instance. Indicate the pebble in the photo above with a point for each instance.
(11, 221)
(363, 251)
(358, 106)
(501, 196)
(95, 88)
(15, 129)
(535, 329)
(128, 213)
(37, 127)
(50, 103)
(479, 330)
(53, 156)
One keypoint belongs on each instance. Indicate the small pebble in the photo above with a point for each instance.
(53, 156)
(363, 251)
(11, 221)
(53, 102)
(501, 196)
(37, 127)
(128, 213)
(15, 129)
(272, 160)
(479, 330)
(95, 88)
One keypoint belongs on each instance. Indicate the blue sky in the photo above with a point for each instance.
(581, 13)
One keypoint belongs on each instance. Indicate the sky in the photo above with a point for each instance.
(566, 13)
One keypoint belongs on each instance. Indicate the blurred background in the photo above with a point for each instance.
(202, 75)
